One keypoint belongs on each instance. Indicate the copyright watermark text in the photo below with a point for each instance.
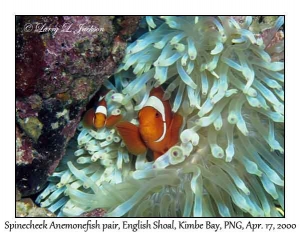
(65, 28)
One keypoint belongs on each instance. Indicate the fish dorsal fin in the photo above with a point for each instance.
(101, 98)
(157, 104)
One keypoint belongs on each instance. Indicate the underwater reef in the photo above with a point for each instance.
(224, 78)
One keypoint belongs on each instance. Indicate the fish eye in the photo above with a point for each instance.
(157, 114)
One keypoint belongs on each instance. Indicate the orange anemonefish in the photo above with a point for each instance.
(158, 129)
(97, 117)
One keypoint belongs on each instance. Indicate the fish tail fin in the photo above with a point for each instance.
(158, 92)
(131, 137)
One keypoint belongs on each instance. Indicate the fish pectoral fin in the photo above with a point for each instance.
(131, 137)
(112, 120)
(88, 119)
(174, 129)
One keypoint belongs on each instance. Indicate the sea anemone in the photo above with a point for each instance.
(218, 74)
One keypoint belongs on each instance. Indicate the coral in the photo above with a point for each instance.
(26, 208)
(219, 75)
(29, 59)
(129, 25)
(93, 213)
(56, 76)
(82, 87)
(25, 153)
(30, 107)
(32, 126)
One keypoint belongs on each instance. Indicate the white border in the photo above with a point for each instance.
(54, 7)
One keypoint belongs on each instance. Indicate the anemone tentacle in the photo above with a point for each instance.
(219, 75)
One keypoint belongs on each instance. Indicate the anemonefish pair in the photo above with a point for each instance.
(97, 118)
(158, 127)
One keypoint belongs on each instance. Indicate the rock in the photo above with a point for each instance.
(93, 213)
(18, 195)
(57, 73)
(32, 127)
(26, 208)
